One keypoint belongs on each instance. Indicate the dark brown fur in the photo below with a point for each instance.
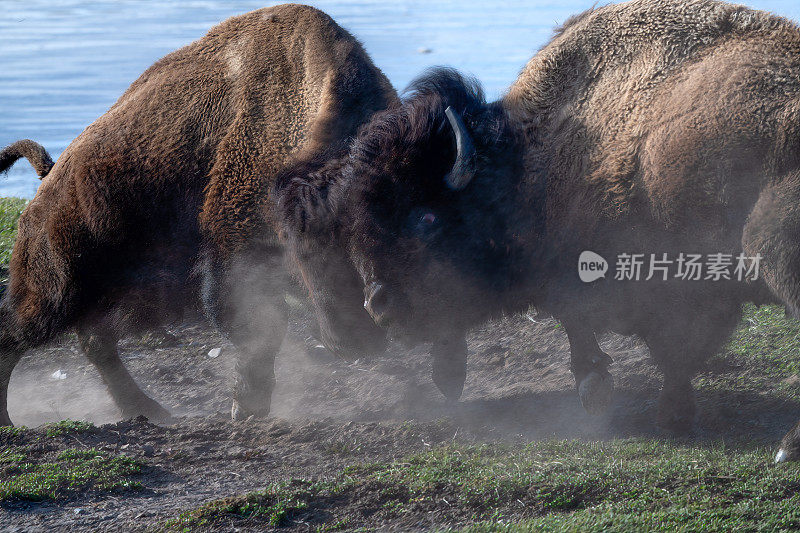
(34, 152)
(169, 191)
(643, 127)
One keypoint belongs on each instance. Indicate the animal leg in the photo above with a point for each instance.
(790, 446)
(773, 232)
(676, 405)
(589, 365)
(100, 347)
(245, 300)
(20, 331)
(8, 360)
(450, 366)
(680, 345)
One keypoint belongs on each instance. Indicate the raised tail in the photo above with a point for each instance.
(34, 152)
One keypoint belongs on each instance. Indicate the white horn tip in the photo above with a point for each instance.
(782, 456)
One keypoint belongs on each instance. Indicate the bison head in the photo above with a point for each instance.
(314, 252)
(425, 206)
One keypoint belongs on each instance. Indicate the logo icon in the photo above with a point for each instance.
(591, 267)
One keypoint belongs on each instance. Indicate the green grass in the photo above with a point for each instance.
(65, 427)
(273, 505)
(24, 476)
(630, 485)
(10, 209)
(10, 433)
(764, 353)
(619, 485)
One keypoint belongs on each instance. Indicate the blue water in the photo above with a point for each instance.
(64, 62)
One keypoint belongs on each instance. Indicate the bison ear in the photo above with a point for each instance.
(464, 167)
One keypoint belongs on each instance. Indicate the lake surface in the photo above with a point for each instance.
(63, 63)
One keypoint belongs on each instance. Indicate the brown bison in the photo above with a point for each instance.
(166, 196)
(650, 127)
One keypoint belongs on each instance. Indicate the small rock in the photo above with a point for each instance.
(214, 352)
(79, 510)
(58, 375)
(148, 450)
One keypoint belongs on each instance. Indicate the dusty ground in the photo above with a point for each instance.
(328, 414)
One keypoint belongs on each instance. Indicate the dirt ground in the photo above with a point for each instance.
(518, 388)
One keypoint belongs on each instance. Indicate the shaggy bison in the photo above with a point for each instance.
(649, 129)
(166, 196)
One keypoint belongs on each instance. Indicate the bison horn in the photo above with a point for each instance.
(464, 168)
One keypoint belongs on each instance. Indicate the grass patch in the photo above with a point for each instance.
(566, 485)
(65, 427)
(274, 505)
(10, 210)
(23, 477)
(761, 356)
(11, 433)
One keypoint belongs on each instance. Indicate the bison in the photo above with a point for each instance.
(166, 198)
(660, 128)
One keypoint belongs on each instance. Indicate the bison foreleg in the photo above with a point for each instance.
(772, 233)
(589, 365)
(100, 347)
(450, 366)
(244, 298)
(680, 342)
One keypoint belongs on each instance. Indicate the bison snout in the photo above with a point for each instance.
(376, 301)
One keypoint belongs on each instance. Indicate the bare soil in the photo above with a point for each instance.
(328, 414)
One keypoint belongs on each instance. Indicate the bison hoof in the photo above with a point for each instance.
(678, 422)
(149, 409)
(676, 409)
(595, 391)
(240, 412)
(450, 384)
(785, 455)
(790, 447)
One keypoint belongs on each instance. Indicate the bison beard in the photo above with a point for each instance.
(623, 135)
(168, 194)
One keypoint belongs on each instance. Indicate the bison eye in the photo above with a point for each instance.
(427, 219)
(423, 223)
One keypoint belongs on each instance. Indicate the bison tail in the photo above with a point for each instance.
(34, 152)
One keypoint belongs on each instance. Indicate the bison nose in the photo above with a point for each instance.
(376, 301)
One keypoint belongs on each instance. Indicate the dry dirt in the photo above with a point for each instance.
(518, 388)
